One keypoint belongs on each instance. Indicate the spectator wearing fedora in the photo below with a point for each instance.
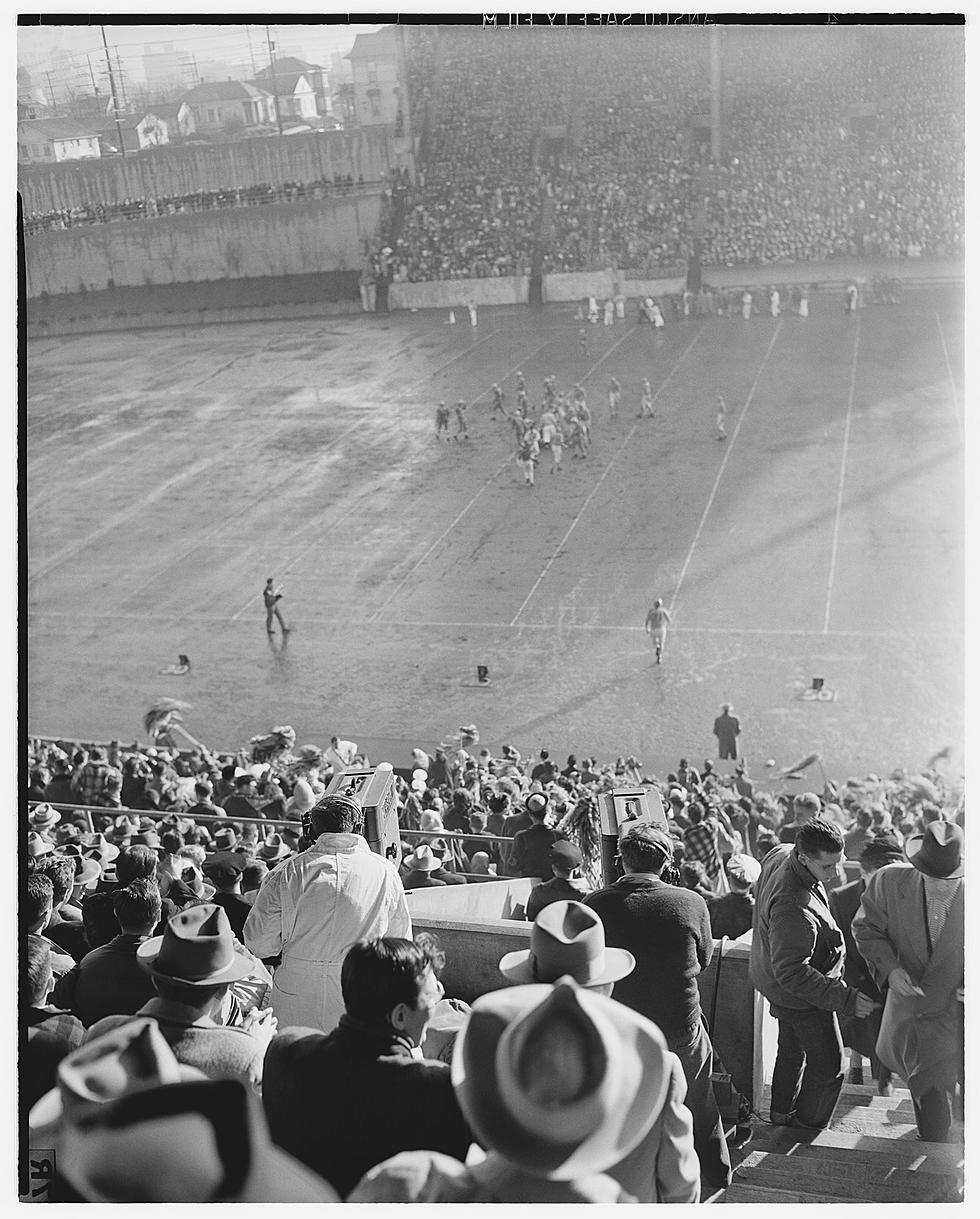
(558, 1083)
(420, 866)
(567, 940)
(314, 905)
(244, 800)
(565, 859)
(192, 966)
(108, 981)
(910, 930)
(50, 1032)
(668, 931)
(860, 1034)
(797, 963)
(129, 1123)
(381, 1096)
(43, 819)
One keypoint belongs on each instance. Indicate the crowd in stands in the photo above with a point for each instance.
(193, 201)
(847, 144)
(167, 914)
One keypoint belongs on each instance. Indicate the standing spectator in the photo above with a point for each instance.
(668, 931)
(860, 1035)
(731, 915)
(701, 841)
(797, 963)
(911, 932)
(244, 801)
(314, 905)
(344, 1102)
(224, 870)
(341, 754)
(727, 729)
(806, 807)
(858, 836)
(90, 780)
(59, 789)
(532, 846)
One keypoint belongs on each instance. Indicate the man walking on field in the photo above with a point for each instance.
(272, 596)
(656, 627)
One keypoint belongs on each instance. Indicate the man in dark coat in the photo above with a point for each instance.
(348, 1100)
(797, 963)
(726, 729)
(731, 915)
(667, 930)
(861, 1035)
(532, 846)
(566, 859)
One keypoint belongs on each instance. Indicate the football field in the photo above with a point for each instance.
(170, 471)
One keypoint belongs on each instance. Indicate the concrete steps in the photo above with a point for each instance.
(870, 1153)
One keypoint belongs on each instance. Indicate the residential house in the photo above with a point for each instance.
(293, 93)
(377, 92)
(177, 117)
(227, 104)
(41, 141)
(289, 66)
(145, 131)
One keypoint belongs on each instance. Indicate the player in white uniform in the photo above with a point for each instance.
(656, 627)
(614, 391)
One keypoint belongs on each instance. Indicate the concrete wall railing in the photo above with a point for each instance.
(183, 169)
(242, 243)
(455, 293)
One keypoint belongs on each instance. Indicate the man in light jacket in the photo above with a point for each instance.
(315, 905)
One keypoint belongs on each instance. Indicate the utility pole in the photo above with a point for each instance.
(50, 90)
(112, 87)
(251, 53)
(91, 72)
(272, 71)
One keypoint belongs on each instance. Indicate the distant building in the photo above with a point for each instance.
(286, 72)
(41, 141)
(225, 103)
(177, 117)
(377, 92)
(163, 67)
(137, 132)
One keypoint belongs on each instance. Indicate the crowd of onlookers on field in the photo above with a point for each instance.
(838, 143)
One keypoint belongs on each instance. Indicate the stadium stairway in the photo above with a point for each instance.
(870, 1153)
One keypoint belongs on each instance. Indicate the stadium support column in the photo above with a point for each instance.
(714, 44)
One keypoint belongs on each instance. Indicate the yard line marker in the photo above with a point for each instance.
(442, 536)
(840, 483)
(612, 462)
(952, 380)
(724, 462)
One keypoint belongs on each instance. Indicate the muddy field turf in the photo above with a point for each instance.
(170, 471)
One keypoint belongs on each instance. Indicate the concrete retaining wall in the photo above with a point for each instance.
(240, 243)
(181, 169)
(454, 293)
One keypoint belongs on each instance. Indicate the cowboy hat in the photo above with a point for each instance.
(44, 817)
(423, 859)
(128, 1058)
(98, 842)
(204, 1140)
(535, 1117)
(36, 845)
(938, 852)
(567, 938)
(273, 848)
(197, 948)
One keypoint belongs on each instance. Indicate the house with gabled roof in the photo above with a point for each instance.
(290, 65)
(41, 141)
(293, 92)
(229, 102)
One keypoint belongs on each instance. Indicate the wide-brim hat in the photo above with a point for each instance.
(44, 817)
(938, 852)
(148, 1147)
(273, 848)
(36, 845)
(128, 1058)
(423, 860)
(98, 842)
(87, 871)
(225, 840)
(197, 948)
(625, 1076)
(567, 938)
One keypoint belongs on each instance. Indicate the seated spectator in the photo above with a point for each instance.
(344, 1101)
(192, 966)
(418, 869)
(566, 859)
(204, 801)
(695, 878)
(108, 981)
(253, 874)
(858, 837)
(598, 1071)
(449, 1014)
(224, 870)
(36, 906)
(64, 927)
(51, 1032)
(731, 914)
(806, 806)
(446, 872)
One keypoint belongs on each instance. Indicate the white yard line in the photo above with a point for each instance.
(840, 483)
(952, 380)
(602, 479)
(729, 446)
